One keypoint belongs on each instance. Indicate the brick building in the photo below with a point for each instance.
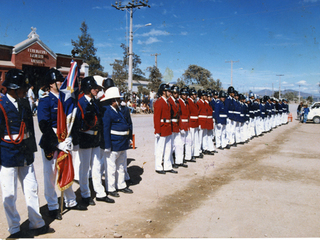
(35, 59)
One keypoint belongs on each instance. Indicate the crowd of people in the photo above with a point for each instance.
(100, 136)
(189, 124)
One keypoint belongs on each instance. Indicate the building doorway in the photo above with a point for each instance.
(36, 76)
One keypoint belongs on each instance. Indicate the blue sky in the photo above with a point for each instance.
(268, 38)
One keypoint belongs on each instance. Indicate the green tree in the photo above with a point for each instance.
(120, 69)
(84, 46)
(155, 78)
(142, 90)
(168, 75)
(290, 96)
(180, 83)
(309, 99)
(201, 76)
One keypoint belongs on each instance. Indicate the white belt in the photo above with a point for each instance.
(222, 115)
(167, 120)
(121, 133)
(202, 116)
(15, 136)
(90, 132)
(236, 112)
(231, 111)
(209, 116)
(184, 120)
(194, 117)
(247, 115)
(241, 115)
(174, 120)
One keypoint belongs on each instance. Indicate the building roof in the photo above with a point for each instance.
(6, 63)
(33, 38)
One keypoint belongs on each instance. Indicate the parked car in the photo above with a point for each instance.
(314, 113)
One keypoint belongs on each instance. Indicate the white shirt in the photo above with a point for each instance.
(13, 100)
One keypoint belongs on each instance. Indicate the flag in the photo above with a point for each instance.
(67, 109)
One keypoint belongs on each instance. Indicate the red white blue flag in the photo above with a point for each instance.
(67, 110)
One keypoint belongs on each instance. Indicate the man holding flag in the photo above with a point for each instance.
(51, 146)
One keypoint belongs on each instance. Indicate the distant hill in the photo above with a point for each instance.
(302, 94)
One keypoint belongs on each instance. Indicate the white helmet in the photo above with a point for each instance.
(111, 93)
(99, 80)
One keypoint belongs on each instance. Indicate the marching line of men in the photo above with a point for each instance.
(100, 136)
(187, 123)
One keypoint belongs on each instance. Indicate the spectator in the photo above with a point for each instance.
(129, 105)
(305, 113)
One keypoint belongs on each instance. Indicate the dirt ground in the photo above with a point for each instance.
(266, 188)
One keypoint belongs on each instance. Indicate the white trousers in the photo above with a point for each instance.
(115, 162)
(27, 178)
(187, 141)
(195, 141)
(221, 135)
(237, 132)
(202, 133)
(90, 157)
(230, 128)
(177, 147)
(208, 140)
(50, 181)
(163, 151)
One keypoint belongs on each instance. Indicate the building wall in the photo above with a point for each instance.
(34, 55)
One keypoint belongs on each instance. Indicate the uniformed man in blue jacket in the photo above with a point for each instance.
(221, 121)
(50, 146)
(17, 146)
(116, 135)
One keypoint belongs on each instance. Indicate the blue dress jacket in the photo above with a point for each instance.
(90, 125)
(220, 112)
(22, 154)
(116, 130)
(229, 105)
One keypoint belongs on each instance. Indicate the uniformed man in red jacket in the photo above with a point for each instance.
(203, 113)
(177, 146)
(184, 126)
(163, 130)
(193, 123)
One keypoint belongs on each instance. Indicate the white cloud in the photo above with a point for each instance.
(302, 82)
(150, 40)
(153, 32)
(184, 33)
(104, 45)
(96, 7)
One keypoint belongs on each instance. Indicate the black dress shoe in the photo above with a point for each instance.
(125, 190)
(221, 148)
(88, 201)
(114, 194)
(21, 234)
(160, 172)
(215, 151)
(40, 230)
(175, 165)
(183, 165)
(234, 145)
(201, 155)
(105, 199)
(55, 214)
(172, 171)
(78, 207)
(228, 146)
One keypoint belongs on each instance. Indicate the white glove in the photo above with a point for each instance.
(219, 125)
(157, 135)
(108, 150)
(182, 131)
(65, 146)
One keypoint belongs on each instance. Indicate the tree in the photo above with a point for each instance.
(142, 90)
(290, 96)
(180, 83)
(199, 75)
(84, 46)
(309, 99)
(155, 78)
(168, 75)
(120, 69)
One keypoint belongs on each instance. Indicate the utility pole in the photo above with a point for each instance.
(131, 5)
(156, 60)
(231, 68)
(299, 93)
(280, 84)
(272, 91)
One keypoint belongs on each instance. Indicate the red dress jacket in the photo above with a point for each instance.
(194, 114)
(184, 115)
(209, 116)
(174, 114)
(162, 117)
(203, 114)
